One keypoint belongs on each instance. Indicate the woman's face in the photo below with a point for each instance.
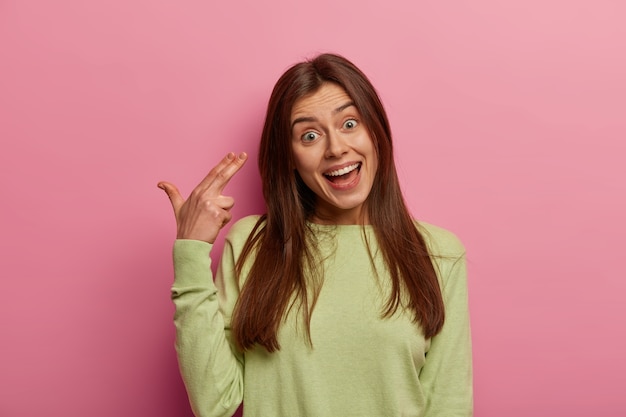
(334, 154)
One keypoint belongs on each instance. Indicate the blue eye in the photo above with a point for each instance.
(309, 136)
(350, 124)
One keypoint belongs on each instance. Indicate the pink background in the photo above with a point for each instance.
(510, 126)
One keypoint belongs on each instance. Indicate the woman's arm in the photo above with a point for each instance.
(211, 369)
(447, 373)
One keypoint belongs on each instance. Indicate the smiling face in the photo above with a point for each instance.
(334, 154)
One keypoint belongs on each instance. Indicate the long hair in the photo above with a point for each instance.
(280, 244)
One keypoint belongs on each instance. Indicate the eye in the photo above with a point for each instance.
(309, 136)
(350, 124)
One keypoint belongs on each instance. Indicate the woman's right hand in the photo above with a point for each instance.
(206, 211)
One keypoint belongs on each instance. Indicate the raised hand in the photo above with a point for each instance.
(206, 211)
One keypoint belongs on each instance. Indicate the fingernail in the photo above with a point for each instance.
(243, 155)
(161, 186)
(230, 156)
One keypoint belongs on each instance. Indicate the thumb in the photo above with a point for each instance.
(174, 195)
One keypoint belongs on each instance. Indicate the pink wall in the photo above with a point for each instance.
(510, 125)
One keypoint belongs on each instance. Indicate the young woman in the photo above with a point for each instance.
(335, 302)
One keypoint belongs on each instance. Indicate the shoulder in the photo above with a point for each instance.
(241, 230)
(244, 225)
(440, 241)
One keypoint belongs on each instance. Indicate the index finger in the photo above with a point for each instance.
(221, 174)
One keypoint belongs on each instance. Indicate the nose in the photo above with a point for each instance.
(336, 145)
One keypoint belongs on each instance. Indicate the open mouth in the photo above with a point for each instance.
(343, 175)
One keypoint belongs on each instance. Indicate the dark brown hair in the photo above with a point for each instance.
(280, 244)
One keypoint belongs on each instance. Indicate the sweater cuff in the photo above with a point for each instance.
(192, 263)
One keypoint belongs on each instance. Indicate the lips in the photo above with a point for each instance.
(343, 175)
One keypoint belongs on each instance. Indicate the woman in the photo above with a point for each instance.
(335, 302)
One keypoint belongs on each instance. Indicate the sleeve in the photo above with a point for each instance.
(211, 368)
(447, 372)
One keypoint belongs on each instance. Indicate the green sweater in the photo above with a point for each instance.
(359, 364)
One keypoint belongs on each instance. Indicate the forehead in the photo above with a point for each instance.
(326, 99)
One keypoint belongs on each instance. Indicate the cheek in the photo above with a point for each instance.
(296, 158)
(369, 149)
(300, 164)
(305, 160)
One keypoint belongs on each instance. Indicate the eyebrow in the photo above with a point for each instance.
(313, 119)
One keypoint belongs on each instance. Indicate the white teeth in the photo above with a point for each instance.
(342, 171)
